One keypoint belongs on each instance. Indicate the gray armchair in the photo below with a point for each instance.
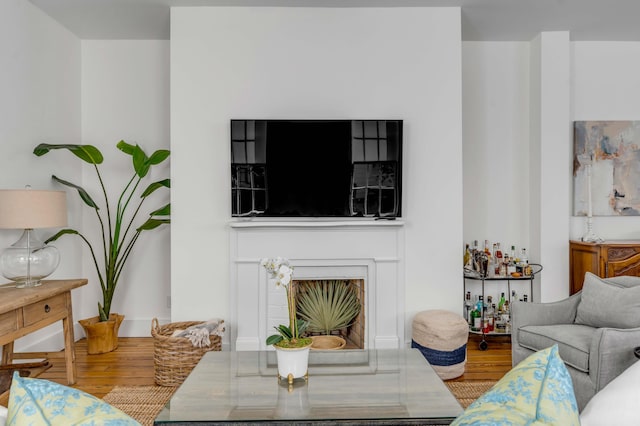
(596, 331)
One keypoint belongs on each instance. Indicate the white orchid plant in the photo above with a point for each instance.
(288, 337)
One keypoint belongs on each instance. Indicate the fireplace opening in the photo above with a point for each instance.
(349, 291)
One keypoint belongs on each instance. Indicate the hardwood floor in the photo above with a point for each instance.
(132, 364)
(491, 364)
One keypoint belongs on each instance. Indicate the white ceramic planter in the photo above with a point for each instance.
(292, 362)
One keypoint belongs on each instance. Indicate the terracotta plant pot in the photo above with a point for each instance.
(102, 336)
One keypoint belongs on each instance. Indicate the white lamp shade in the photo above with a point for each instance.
(31, 209)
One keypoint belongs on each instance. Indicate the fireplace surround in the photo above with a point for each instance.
(372, 251)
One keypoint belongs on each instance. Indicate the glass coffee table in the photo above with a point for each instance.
(390, 386)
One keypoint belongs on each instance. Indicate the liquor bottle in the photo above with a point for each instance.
(468, 307)
(475, 256)
(475, 320)
(498, 261)
(467, 257)
(511, 266)
(506, 316)
(485, 321)
(489, 316)
(486, 261)
(499, 252)
(501, 303)
(486, 248)
(480, 303)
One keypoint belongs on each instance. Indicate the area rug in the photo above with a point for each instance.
(143, 403)
(468, 391)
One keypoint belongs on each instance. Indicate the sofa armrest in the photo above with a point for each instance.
(611, 353)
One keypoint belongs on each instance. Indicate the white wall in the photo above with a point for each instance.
(125, 96)
(314, 63)
(40, 102)
(605, 86)
(550, 162)
(495, 99)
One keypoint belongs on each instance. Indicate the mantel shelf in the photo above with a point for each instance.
(314, 223)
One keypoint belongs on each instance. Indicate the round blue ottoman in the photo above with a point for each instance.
(442, 338)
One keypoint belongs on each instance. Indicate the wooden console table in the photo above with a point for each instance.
(606, 259)
(25, 310)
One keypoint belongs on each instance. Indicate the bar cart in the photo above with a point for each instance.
(485, 281)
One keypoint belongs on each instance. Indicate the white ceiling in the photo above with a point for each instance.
(482, 20)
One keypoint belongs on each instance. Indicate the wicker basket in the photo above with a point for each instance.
(175, 357)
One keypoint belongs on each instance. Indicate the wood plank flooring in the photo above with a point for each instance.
(132, 364)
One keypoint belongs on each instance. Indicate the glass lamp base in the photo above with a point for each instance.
(28, 261)
(28, 284)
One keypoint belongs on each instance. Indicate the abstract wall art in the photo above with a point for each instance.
(612, 149)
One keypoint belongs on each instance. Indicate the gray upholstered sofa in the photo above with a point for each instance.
(596, 331)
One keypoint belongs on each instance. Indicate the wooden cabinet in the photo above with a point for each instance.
(606, 259)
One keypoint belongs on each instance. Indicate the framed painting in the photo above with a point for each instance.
(612, 150)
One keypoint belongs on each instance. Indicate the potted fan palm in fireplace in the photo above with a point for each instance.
(329, 306)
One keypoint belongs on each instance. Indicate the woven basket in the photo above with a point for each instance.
(175, 357)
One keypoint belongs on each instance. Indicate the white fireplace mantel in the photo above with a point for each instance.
(314, 223)
(328, 249)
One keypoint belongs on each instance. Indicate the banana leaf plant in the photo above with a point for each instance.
(119, 234)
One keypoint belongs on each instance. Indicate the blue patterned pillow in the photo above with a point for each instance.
(538, 391)
(36, 402)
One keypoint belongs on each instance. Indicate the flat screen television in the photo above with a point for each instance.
(316, 168)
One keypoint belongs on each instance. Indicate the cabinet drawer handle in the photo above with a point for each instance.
(47, 308)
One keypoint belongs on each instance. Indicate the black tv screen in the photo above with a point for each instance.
(316, 168)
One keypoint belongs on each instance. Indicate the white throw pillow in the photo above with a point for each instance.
(3, 415)
(617, 403)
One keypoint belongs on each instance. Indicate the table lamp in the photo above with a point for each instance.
(29, 260)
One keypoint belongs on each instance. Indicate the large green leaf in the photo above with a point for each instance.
(162, 211)
(159, 156)
(165, 183)
(60, 234)
(140, 162)
(152, 224)
(83, 194)
(88, 153)
(125, 147)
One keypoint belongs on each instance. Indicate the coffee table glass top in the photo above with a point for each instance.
(391, 385)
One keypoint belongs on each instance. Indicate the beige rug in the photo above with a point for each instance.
(143, 403)
(469, 391)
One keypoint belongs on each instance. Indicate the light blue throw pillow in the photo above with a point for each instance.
(538, 391)
(37, 402)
